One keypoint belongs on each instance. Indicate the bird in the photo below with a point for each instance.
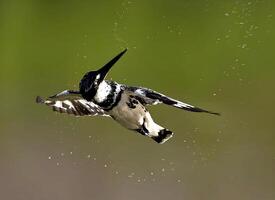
(127, 105)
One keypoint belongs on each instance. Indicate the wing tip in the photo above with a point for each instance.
(39, 100)
(209, 112)
(196, 109)
(214, 113)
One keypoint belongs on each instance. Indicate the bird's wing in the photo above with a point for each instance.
(150, 97)
(71, 102)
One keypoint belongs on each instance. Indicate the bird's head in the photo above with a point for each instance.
(91, 80)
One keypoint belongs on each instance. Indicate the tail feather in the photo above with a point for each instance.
(162, 136)
(39, 99)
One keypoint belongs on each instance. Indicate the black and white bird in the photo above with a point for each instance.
(125, 104)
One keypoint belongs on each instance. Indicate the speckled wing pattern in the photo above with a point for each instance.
(73, 104)
(150, 97)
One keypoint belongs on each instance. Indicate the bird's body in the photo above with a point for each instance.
(127, 113)
(132, 114)
(125, 104)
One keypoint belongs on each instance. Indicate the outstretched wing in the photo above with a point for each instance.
(151, 97)
(71, 102)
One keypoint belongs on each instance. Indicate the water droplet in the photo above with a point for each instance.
(131, 175)
(244, 46)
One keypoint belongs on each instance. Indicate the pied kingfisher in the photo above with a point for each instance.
(125, 104)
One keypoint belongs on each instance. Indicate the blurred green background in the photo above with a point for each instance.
(218, 55)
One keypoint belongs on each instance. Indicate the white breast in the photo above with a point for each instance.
(127, 117)
(102, 92)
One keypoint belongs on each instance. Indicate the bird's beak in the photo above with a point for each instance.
(102, 72)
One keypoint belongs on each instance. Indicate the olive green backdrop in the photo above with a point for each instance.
(218, 55)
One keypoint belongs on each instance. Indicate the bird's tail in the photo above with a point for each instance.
(162, 135)
(155, 131)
